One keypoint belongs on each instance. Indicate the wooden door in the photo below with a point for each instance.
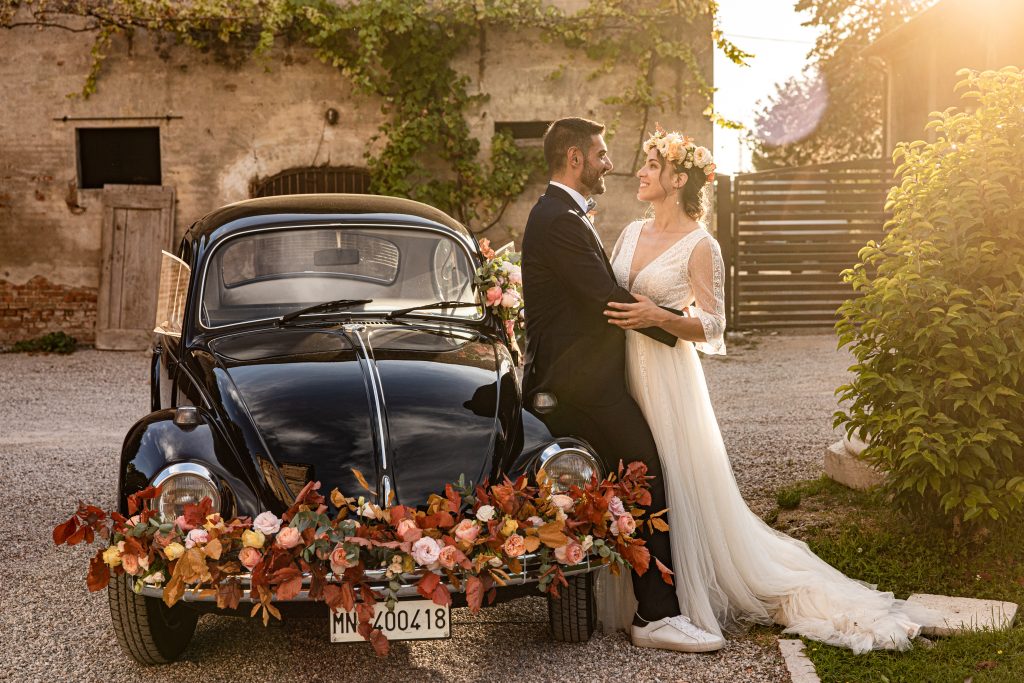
(138, 221)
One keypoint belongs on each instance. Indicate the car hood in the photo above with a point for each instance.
(409, 407)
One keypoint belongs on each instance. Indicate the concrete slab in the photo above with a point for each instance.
(801, 668)
(844, 467)
(964, 614)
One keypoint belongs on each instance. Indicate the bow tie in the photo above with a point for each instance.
(590, 204)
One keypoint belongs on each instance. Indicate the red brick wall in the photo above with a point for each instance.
(40, 306)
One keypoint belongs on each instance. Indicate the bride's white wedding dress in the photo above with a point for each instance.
(731, 569)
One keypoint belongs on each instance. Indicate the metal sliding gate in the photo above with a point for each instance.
(787, 234)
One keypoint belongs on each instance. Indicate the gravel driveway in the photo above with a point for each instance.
(62, 420)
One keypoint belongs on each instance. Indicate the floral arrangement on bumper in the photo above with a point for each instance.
(474, 538)
(500, 279)
(680, 150)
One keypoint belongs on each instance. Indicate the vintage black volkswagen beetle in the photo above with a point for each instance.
(304, 336)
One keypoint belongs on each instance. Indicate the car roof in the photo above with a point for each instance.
(320, 207)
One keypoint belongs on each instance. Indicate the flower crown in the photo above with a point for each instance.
(680, 150)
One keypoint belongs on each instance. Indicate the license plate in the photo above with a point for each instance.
(410, 620)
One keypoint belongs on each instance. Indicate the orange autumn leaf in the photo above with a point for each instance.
(531, 543)
(638, 556)
(229, 594)
(474, 594)
(666, 573)
(362, 481)
(427, 584)
(99, 573)
(61, 532)
(551, 534)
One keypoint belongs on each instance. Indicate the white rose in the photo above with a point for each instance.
(266, 523)
(701, 157)
(485, 513)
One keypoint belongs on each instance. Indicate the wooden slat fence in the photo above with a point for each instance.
(787, 234)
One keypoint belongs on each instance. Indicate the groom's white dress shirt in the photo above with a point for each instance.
(582, 201)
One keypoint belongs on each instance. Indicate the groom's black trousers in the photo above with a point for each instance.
(619, 431)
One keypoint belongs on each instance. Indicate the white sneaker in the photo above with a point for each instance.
(676, 633)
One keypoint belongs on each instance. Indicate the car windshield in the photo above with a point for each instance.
(268, 274)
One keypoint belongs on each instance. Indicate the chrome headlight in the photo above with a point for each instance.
(182, 484)
(567, 466)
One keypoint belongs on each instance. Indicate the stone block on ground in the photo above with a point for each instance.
(843, 466)
(801, 668)
(964, 614)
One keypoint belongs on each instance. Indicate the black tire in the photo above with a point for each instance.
(573, 615)
(147, 630)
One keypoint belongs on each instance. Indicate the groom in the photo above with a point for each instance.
(575, 375)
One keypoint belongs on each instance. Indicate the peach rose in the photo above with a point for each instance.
(408, 531)
(253, 539)
(613, 528)
(627, 524)
(130, 564)
(570, 553)
(467, 530)
(249, 557)
(494, 296)
(288, 537)
(182, 524)
(514, 545)
(339, 559)
(448, 557)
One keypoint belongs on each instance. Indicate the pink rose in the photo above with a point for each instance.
(467, 530)
(514, 545)
(267, 523)
(130, 564)
(627, 524)
(249, 557)
(570, 553)
(515, 275)
(616, 507)
(535, 521)
(339, 559)
(448, 556)
(509, 299)
(196, 537)
(613, 529)
(425, 551)
(562, 501)
(182, 524)
(493, 296)
(408, 531)
(288, 537)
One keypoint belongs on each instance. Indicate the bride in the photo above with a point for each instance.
(731, 569)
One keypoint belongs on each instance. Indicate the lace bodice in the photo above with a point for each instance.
(688, 273)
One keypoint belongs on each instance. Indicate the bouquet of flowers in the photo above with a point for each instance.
(470, 539)
(500, 279)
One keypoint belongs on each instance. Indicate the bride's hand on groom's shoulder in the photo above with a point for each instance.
(644, 313)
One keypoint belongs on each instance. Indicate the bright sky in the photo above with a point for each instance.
(771, 30)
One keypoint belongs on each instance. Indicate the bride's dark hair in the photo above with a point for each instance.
(695, 194)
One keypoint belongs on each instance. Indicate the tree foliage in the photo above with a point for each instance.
(402, 52)
(937, 332)
(833, 110)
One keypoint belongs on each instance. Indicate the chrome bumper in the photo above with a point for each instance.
(377, 580)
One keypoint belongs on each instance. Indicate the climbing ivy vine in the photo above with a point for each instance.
(403, 52)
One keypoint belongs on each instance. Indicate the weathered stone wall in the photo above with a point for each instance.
(238, 124)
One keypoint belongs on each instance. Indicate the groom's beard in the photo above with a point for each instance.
(592, 178)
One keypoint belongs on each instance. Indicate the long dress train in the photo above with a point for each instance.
(731, 569)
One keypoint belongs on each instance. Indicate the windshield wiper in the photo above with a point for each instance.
(322, 308)
(439, 304)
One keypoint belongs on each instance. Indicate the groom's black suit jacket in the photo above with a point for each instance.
(571, 349)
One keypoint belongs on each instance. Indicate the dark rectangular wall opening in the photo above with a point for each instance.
(118, 156)
(522, 130)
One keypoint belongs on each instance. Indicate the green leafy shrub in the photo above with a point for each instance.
(938, 332)
(54, 342)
